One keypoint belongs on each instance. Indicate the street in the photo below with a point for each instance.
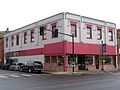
(14, 80)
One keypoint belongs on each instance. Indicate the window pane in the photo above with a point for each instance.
(60, 60)
(47, 59)
(89, 60)
(99, 34)
(89, 34)
(54, 59)
(73, 29)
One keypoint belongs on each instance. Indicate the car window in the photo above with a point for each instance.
(38, 63)
(29, 63)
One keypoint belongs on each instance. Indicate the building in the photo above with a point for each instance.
(2, 46)
(55, 50)
(118, 47)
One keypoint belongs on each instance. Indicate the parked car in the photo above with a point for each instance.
(32, 66)
(16, 66)
(1, 65)
(6, 66)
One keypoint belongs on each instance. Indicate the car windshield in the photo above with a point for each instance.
(20, 64)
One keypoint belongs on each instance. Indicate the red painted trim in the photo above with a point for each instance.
(110, 30)
(17, 35)
(53, 24)
(12, 37)
(54, 48)
(6, 39)
(73, 23)
(88, 25)
(25, 32)
(32, 30)
(99, 27)
(94, 49)
(45, 27)
(63, 48)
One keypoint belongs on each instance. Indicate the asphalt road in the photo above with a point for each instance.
(13, 80)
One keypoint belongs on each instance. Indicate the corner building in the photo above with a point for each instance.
(55, 51)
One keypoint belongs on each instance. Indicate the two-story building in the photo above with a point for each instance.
(55, 51)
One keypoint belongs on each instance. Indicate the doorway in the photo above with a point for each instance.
(81, 62)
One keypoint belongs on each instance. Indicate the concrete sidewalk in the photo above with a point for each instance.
(83, 72)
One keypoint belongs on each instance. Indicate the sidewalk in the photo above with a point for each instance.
(82, 72)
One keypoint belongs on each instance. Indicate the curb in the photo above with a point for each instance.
(92, 72)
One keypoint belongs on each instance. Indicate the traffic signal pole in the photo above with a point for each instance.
(73, 58)
(73, 61)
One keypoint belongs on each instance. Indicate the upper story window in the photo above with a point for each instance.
(32, 35)
(54, 35)
(17, 39)
(74, 28)
(6, 42)
(25, 37)
(110, 35)
(12, 41)
(99, 33)
(89, 32)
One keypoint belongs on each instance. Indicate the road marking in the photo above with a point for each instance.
(3, 76)
(118, 81)
(26, 75)
(14, 75)
(116, 74)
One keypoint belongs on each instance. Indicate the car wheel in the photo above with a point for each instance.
(21, 69)
(30, 70)
(39, 71)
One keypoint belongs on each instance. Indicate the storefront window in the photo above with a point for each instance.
(70, 59)
(47, 59)
(60, 61)
(89, 60)
(107, 59)
(54, 59)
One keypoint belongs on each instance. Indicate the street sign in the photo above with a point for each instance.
(103, 47)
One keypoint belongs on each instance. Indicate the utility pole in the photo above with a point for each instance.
(102, 55)
(103, 49)
(73, 58)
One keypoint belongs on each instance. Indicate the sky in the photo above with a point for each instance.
(17, 13)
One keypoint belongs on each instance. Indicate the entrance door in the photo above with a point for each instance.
(81, 62)
(97, 62)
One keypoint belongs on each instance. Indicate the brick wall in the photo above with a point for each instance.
(53, 67)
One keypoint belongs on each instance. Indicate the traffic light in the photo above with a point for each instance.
(56, 32)
(41, 30)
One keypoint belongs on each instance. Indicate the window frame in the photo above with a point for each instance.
(72, 23)
(90, 34)
(17, 39)
(25, 37)
(12, 41)
(53, 29)
(32, 36)
(100, 35)
(6, 42)
(44, 37)
(111, 32)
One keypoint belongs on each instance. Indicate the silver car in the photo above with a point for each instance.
(15, 66)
